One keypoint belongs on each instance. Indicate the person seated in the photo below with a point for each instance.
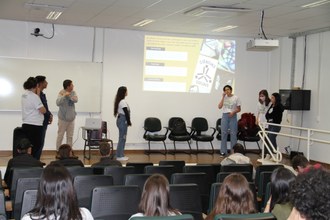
(302, 165)
(56, 197)
(310, 196)
(106, 159)
(23, 159)
(155, 200)
(279, 202)
(66, 157)
(238, 157)
(234, 197)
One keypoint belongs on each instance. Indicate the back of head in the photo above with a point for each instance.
(104, 149)
(310, 194)
(64, 151)
(56, 195)
(281, 180)
(24, 146)
(30, 83)
(238, 148)
(235, 196)
(299, 161)
(155, 196)
(40, 78)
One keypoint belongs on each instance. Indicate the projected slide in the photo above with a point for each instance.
(196, 65)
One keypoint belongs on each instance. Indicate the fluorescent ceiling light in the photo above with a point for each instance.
(214, 11)
(315, 4)
(143, 22)
(54, 15)
(225, 28)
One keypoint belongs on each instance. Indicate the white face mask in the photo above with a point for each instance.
(262, 98)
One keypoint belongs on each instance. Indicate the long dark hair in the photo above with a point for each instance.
(121, 93)
(56, 195)
(281, 180)
(264, 92)
(155, 200)
(30, 83)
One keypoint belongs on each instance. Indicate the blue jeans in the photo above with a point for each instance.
(228, 123)
(272, 137)
(122, 127)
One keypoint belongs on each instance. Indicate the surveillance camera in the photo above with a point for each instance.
(36, 32)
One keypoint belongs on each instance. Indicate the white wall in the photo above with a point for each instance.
(121, 52)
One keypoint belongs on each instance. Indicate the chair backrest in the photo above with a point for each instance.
(218, 128)
(29, 201)
(198, 178)
(177, 126)
(139, 166)
(264, 179)
(152, 124)
(199, 124)
(104, 130)
(115, 202)
(166, 170)
(177, 217)
(203, 168)
(257, 216)
(186, 198)
(21, 173)
(222, 175)
(2, 203)
(76, 170)
(23, 184)
(237, 168)
(178, 164)
(136, 179)
(263, 168)
(118, 173)
(85, 184)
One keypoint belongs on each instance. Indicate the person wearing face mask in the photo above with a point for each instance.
(262, 107)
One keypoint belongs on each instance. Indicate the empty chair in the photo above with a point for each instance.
(264, 179)
(85, 184)
(139, 166)
(152, 127)
(166, 170)
(75, 171)
(257, 216)
(23, 184)
(93, 138)
(222, 175)
(178, 164)
(136, 179)
(198, 178)
(262, 168)
(202, 168)
(199, 129)
(186, 198)
(237, 168)
(29, 201)
(248, 131)
(177, 217)
(118, 173)
(178, 132)
(115, 202)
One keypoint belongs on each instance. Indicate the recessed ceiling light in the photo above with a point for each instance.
(54, 15)
(225, 28)
(315, 4)
(143, 22)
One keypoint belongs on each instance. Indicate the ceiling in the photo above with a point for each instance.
(281, 17)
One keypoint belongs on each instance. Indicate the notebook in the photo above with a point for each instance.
(93, 123)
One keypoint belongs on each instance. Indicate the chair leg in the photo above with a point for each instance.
(212, 152)
(190, 151)
(165, 147)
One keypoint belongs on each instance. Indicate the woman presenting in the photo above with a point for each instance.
(122, 112)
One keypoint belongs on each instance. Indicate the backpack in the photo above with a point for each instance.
(247, 125)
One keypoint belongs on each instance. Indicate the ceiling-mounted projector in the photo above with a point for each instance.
(262, 45)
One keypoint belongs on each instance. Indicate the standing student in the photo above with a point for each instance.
(274, 115)
(66, 100)
(262, 106)
(33, 115)
(230, 105)
(48, 117)
(122, 112)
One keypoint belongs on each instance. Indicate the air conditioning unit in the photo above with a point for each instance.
(262, 45)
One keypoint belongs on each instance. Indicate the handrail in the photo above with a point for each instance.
(269, 145)
(308, 138)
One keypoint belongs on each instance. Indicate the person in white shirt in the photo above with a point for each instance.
(33, 115)
(262, 107)
(56, 198)
(230, 105)
(122, 112)
(155, 200)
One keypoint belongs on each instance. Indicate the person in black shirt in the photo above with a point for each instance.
(66, 157)
(23, 159)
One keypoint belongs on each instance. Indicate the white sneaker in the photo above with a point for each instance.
(122, 158)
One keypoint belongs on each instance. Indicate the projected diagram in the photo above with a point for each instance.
(176, 64)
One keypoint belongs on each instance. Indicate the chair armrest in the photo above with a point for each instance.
(166, 130)
(214, 130)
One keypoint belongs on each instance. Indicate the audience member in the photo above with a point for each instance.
(155, 199)
(302, 165)
(106, 159)
(238, 157)
(279, 202)
(310, 196)
(23, 159)
(66, 157)
(234, 197)
(56, 198)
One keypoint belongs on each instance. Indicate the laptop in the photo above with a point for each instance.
(93, 123)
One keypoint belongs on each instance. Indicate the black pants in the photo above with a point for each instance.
(34, 134)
